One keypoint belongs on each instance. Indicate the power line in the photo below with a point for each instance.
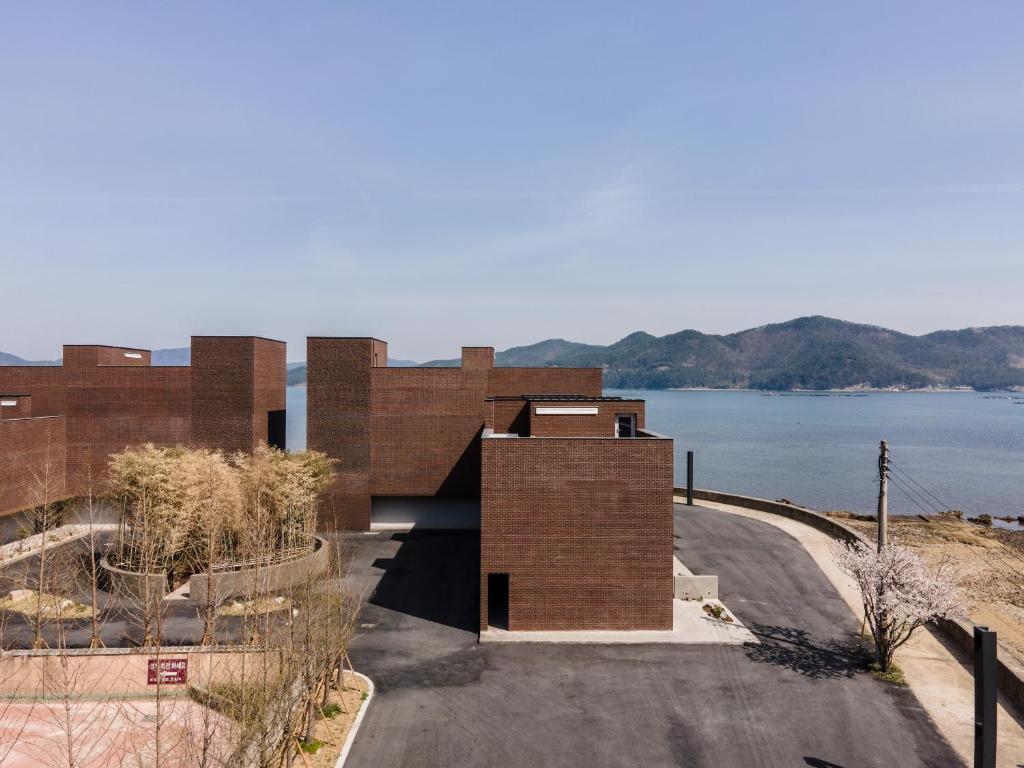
(916, 495)
(906, 475)
(909, 496)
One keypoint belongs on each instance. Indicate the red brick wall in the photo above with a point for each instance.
(108, 402)
(31, 462)
(425, 423)
(338, 423)
(235, 382)
(92, 355)
(583, 527)
(409, 431)
(512, 382)
(221, 406)
(509, 416)
(600, 425)
(477, 358)
(44, 382)
(109, 408)
(270, 385)
(21, 407)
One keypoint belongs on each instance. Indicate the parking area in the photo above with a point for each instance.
(799, 697)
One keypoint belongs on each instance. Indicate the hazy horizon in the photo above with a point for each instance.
(441, 176)
(295, 357)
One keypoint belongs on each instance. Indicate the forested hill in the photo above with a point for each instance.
(807, 353)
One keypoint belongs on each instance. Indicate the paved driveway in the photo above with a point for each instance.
(797, 699)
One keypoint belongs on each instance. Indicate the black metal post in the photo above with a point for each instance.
(689, 478)
(984, 698)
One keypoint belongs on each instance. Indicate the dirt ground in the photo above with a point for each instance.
(333, 730)
(990, 562)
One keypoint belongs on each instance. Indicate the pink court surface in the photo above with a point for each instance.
(104, 734)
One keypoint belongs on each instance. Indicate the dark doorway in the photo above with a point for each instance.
(497, 600)
(276, 429)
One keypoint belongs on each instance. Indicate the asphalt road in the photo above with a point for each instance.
(800, 698)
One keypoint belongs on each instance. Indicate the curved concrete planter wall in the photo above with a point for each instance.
(133, 583)
(273, 578)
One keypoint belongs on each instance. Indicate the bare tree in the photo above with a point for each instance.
(899, 593)
(93, 571)
(46, 514)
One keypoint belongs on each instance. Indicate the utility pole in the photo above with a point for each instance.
(985, 721)
(883, 494)
(689, 478)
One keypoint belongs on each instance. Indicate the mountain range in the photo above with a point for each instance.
(172, 356)
(814, 353)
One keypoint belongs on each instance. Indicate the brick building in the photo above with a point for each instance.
(63, 422)
(575, 494)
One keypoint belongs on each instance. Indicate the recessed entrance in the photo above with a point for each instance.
(497, 600)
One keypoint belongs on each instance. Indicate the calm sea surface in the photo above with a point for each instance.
(966, 449)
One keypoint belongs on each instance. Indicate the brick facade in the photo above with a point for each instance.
(338, 375)
(578, 520)
(109, 398)
(409, 431)
(15, 406)
(32, 454)
(600, 425)
(582, 527)
(236, 382)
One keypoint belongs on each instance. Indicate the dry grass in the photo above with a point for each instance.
(989, 562)
(266, 604)
(50, 607)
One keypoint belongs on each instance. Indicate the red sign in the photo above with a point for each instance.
(165, 671)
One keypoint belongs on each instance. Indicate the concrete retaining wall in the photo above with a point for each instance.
(803, 515)
(1010, 672)
(1009, 669)
(98, 672)
(273, 578)
(696, 587)
(133, 583)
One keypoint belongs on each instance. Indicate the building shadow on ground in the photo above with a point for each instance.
(435, 576)
(800, 651)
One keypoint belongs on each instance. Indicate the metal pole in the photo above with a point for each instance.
(689, 478)
(984, 698)
(883, 495)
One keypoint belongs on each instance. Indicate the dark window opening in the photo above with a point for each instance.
(497, 600)
(625, 425)
(276, 429)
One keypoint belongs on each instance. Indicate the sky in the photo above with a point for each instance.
(439, 174)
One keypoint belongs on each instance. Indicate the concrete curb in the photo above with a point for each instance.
(1009, 669)
(350, 739)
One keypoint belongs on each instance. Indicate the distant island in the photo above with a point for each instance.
(809, 353)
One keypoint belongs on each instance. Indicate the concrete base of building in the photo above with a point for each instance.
(691, 625)
(691, 587)
(399, 513)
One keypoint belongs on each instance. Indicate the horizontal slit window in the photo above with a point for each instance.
(566, 410)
